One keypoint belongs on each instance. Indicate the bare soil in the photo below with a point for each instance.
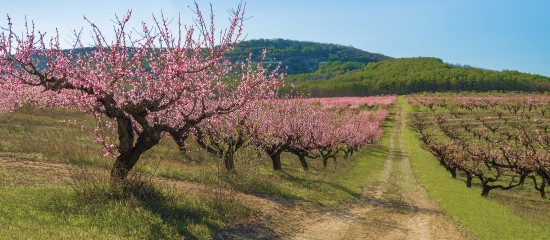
(398, 207)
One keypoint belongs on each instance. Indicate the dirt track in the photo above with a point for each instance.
(396, 208)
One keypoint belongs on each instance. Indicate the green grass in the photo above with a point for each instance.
(369, 165)
(487, 218)
(32, 206)
(58, 212)
(55, 135)
(49, 135)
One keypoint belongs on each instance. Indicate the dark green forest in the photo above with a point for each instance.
(411, 75)
(298, 57)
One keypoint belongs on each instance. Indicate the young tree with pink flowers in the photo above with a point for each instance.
(142, 85)
(357, 130)
(303, 127)
(310, 130)
(270, 130)
(224, 135)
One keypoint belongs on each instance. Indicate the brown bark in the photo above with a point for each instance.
(130, 152)
(228, 161)
(303, 161)
(485, 191)
(276, 160)
(469, 181)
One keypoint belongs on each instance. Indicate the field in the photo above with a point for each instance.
(172, 127)
(56, 185)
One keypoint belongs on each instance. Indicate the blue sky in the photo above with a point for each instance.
(506, 34)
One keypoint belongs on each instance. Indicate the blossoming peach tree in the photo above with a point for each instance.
(139, 84)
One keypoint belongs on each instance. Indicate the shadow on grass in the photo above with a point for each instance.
(144, 211)
(377, 150)
(210, 213)
(252, 230)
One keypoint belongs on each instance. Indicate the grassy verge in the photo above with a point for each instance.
(485, 218)
(57, 212)
(368, 167)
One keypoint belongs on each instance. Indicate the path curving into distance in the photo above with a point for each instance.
(398, 207)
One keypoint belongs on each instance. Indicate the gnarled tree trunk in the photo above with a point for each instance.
(130, 152)
(301, 154)
(303, 161)
(229, 161)
(469, 181)
(469, 178)
(486, 189)
(542, 191)
(276, 160)
(180, 141)
(325, 162)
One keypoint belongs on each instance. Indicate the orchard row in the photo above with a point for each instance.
(500, 140)
(302, 127)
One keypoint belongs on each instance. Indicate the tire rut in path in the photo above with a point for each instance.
(397, 208)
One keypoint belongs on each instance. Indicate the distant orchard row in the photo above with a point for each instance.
(307, 128)
(500, 140)
(353, 102)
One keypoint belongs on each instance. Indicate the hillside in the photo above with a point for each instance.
(411, 75)
(303, 57)
(296, 57)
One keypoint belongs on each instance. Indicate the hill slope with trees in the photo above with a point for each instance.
(303, 57)
(411, 75)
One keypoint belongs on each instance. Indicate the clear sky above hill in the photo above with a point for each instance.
(492, 34)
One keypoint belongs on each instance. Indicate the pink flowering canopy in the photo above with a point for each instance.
(138, 84)
(309, 129)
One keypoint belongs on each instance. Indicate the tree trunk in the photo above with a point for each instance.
(228, 161)
(325, 162)
(486, 189)
(180, 141)
(123, 164)
(276, 159)
(469, 181)
(522, 179)
(130, 152)
(303, 161)
(346, 154)
(127, 160)
(453, 172)
(541, 189)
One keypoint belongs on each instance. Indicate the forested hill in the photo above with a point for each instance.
(411, 75)
(296, 56)
(302, 57)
